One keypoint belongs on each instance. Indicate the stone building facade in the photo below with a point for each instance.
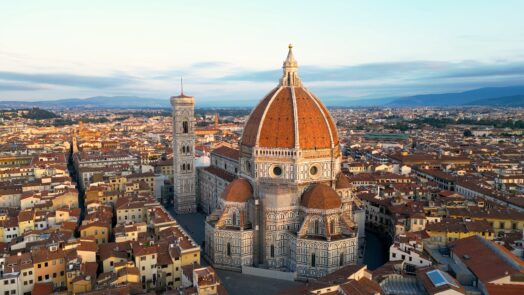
(213, 180)
(289, 207)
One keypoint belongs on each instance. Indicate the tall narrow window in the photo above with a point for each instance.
(234, 218)
(228, 249)
(313, 262)
(341, 262)
(332, 227)
(272, 251)
(185, 127)
(317, 227)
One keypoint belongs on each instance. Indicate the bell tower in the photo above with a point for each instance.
(184, 153)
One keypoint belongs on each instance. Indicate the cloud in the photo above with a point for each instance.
(207, 69)
(208, 64)
(396, 78)
(18, 87)
(63, 79)
(486, 71)
(217, 82)
(344, 73)
(414, 70)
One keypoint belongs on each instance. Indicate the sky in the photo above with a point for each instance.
(231, 52)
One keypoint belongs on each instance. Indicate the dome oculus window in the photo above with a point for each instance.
(313, 170)
(277, 171)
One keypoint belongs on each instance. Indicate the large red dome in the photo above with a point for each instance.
(290, 117)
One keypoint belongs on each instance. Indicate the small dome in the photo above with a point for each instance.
(343, 182)
(239, 190)
(321, 196)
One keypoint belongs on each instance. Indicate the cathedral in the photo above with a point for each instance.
(281, 202)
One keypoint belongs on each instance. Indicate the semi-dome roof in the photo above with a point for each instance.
(343, 182)
(239, 190)
(290, 117)
(321, 196)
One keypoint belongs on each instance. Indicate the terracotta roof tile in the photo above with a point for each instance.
(278, 128)
(273, 120)
(240, 190)
(227, 152)
(249, 137)
(321, 196)
(485, 263)
(220, 173)
(343, 182)
(314, 131)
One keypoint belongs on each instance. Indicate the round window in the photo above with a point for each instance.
(277, 170)
(313, 170)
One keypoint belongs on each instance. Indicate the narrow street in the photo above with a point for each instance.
(377, 250)
(74, 176)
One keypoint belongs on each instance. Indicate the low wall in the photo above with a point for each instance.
(268, 273)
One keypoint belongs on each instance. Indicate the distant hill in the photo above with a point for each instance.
(481, 96)
(506, 101)
(490, 96)
(93, 102)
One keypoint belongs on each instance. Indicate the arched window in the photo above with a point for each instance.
(234, 218)
(272, 251)
(185, 127)
(317, 227)
(341, 261)
(228, 249)
(332, 227)
(313, 262)
(183, 167)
